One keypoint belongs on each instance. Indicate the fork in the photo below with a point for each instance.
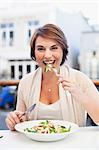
(55, 71)
(28, 111)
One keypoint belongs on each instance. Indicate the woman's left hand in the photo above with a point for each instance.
(73, 88)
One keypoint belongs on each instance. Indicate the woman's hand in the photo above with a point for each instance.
(73, 88)
(13, 118)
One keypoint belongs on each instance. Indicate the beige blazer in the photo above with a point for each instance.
(29, 92)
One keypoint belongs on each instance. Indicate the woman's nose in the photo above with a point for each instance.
(48, 53)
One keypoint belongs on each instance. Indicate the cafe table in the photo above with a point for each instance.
(86, 138)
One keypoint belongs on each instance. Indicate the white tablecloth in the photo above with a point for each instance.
(86, 138)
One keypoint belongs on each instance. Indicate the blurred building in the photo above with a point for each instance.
(17, 25)
(89, 53)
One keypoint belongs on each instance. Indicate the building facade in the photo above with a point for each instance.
(16, 28)
(89, 54)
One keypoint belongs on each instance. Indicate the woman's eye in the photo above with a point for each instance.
(54, 48)
(40, 49)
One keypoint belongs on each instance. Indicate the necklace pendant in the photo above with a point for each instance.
(49, 90)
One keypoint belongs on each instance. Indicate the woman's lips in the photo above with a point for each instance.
(48, 62)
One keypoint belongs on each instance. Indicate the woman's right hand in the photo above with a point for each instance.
(13, 118)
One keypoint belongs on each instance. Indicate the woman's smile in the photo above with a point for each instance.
(46, 62)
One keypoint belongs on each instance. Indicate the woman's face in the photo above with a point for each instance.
(48, 51)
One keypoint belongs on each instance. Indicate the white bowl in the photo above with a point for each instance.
(46, 137)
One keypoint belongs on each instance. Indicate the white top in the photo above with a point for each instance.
(52, 111)
(72, 110)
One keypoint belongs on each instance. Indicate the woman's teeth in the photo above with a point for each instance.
(50, 62)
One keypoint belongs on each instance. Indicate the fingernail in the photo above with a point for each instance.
(59, 80)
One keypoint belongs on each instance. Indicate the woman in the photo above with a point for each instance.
(65, 95)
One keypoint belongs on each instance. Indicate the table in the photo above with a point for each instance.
(86, 138)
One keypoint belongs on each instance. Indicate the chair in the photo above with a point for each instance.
(89, 121)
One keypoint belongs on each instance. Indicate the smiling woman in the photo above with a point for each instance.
(60, 93)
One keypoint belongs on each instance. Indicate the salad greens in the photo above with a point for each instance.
(48, 67)
(46, 127)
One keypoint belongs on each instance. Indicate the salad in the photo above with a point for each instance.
(47, 127)
(48, 67)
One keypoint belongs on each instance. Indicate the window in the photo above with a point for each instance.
(28, 68)
(29, 35)
(4, 38)
(31, 26)
(12, 72)
(11, 38)
(3, 26)
(20, 71)
(7, 34)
